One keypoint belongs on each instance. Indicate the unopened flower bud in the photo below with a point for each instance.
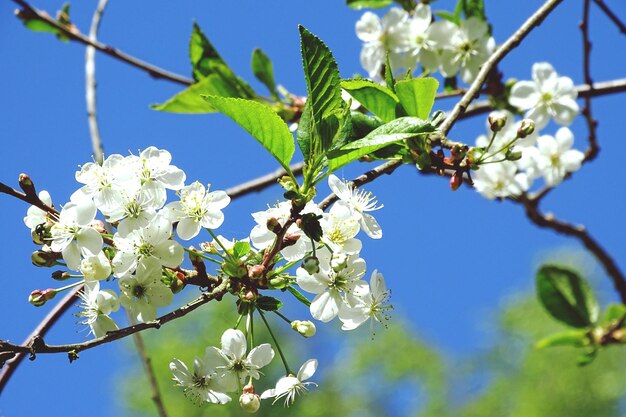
(311, 265)
(44, 258)
(60, 275)
(39, 297)
(513, 156)
(526, 127)
(37, 238)
(256, 271)
(290, 240)
(497, 121)
(26, 184)
(278, 282)
(98, 225)
(250, 403)
(305, 328)
(273, 225)
(455, 181)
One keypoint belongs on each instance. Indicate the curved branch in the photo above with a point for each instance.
(29, 12)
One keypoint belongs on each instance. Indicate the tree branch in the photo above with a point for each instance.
(90, 84)
(39, 346)
(149, 370)
(29, 12)
(578, 232)
(612, 16)
(9, 360)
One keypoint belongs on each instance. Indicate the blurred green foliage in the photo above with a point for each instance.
(396, 373)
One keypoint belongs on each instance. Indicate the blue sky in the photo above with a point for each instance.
(450, 258)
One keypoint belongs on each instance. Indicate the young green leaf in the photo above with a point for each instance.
(392, 132)
(374, 97)
(263, 70)
(373, 4)
(261, 122)
(566, 296)
(451, 17)
(190, 101)
(306, 131)
(323, 86)
(389, 80)
(205, 61)
(417, 96)
(576, 338)
(614, 313)
(241, 249)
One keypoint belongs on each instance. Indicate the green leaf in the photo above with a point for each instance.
(261, 122)
(323, 86)
(241, 249)
(190, 101)
(268, 303)
(263, 70)
(451, 17)
(389, 80)
(417, 95)
(394, 131)
(205, 61)
(613, 313)
(374, 97)
(40, 26)
(576, 338)
(373, 4)
(566, 296)
(407, 5)
(306, 131)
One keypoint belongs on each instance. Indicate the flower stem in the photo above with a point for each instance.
(219, 242)
(299, 296)
(280, 352)
(238, 321)
(67, 287)
(279, 314)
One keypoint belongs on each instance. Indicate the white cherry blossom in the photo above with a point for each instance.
(151, 242)
(95, 266)
(153, 168)
(422, 48)
(199, 385)
(546, 96)
(500, 180)
(134, 210)
(359, 202)
(36, 216)
(288, 387)
(371, 304)
(71, 234)
(340, 226)
(382, 36)
(105, 182)
(96, 306)
(144, 292)
(231, 362)
(461, 49)
(555, 158)
(197, 209)
(338, 276)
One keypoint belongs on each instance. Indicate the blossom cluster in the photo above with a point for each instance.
(547, 97)
(131, 247)
(413, 39)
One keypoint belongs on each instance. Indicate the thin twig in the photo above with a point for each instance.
(592, 124)
(90, 83)
(609, 13)
(149, 370)
(29, 12)
(73, 349)
(260, 183)
(39, 332)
